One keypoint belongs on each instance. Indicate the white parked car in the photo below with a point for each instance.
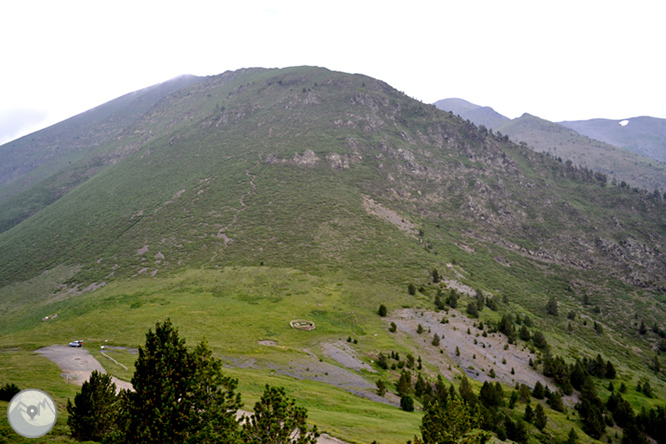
(76, 344)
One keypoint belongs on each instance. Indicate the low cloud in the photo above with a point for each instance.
(18, 122)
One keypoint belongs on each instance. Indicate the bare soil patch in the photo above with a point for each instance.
(478, 354)
(77, 364)
(388, 215)
(345, 356)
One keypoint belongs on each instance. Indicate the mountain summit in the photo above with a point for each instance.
(303, 166)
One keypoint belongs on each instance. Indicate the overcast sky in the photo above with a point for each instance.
(560, 60)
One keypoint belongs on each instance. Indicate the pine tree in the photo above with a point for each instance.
(419, 387)
(539, 392)
(529, 413)
(551, 307)
(159, 410)
(452, 423)
(556, 403)
(382, 310)
(404, 385)
(435, 340)
(440, 391)
(93, 414)
(407, 403)
(466, 392)
(277, 420)
(213, 398)
(540, 418)
(572, 438)
(381, 387)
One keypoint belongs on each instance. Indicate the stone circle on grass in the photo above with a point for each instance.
(302, 324)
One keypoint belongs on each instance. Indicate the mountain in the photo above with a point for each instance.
(641, 135)
(252, 200)
(32, 158)
(565, 142)
(198, 152)
(480, 115)
(38, 169)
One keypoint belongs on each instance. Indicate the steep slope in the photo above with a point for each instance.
(266, 165)
(480, 115)
(42, 167)
(26, 161)
(642, 135)
(565, 143)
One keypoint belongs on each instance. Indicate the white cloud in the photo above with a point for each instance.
(560, 60)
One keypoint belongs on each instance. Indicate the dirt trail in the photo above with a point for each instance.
(77, 364)
(222, 231)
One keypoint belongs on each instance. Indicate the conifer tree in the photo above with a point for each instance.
(213, 399)
(277, 420)
(453, 423)
(381, 387)
(540, 418)
(93, 414)
(159, 410)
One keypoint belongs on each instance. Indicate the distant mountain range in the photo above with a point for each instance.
(642, 135)
(631, 150)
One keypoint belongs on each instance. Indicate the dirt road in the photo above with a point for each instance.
(77, 364)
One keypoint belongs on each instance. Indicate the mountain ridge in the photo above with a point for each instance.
(642, 135)
(562, 141)
(29, 159)
(222, 119)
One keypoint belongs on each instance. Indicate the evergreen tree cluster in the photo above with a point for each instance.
(7, 391)
(181, 396)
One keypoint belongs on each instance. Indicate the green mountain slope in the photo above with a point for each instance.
(260, 196)
(50, 153)
(203, 188)
(642, 135)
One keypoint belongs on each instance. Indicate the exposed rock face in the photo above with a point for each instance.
(307, 159)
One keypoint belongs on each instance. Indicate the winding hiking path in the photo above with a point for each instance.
(222, 231)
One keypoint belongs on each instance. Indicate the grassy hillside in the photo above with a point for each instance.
(260, 196)
(39, 168)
